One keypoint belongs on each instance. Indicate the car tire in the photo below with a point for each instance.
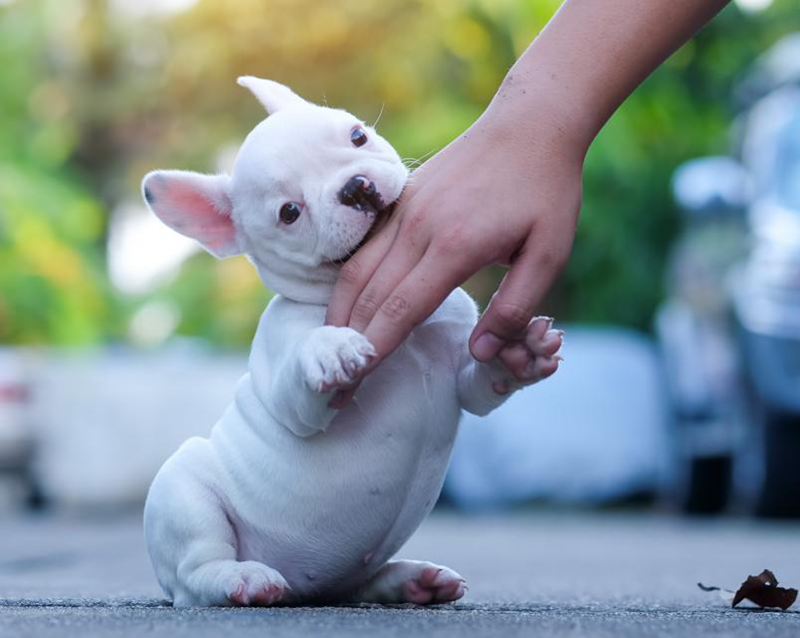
(780, 492)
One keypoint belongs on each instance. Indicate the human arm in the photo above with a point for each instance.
(508, 190)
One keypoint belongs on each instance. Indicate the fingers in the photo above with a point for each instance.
(357, 272)
(511, 308)
(410, 303)
(401, 260)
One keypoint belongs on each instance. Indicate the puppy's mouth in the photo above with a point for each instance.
(362, 194)
(379, 216)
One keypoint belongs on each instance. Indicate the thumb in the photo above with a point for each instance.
(510, 310)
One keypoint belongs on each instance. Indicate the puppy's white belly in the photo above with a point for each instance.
(329, 510)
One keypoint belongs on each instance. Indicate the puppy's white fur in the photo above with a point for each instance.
(289, 500)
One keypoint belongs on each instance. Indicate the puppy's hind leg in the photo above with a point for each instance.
(194, 549)
(412, 581)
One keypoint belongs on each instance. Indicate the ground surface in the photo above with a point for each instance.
(529, 574)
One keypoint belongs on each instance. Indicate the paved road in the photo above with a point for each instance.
(532, 573)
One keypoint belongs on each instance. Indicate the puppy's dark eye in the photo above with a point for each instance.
(358, 136)
(289, 212)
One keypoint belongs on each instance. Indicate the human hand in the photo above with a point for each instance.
(508, 191)
(503, 193)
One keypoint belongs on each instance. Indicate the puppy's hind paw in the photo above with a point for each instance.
(434, 586)
(413, 581)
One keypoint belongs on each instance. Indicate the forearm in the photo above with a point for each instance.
(280, 382)
(296, 405)
(478, 385)
(589, 58)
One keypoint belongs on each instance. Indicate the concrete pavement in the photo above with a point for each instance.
(529, 573)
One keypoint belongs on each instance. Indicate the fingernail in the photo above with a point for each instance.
(486, 346)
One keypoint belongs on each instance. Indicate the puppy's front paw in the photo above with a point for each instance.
(229, 583)
(533, 358)
(252, 584)
(334, 357)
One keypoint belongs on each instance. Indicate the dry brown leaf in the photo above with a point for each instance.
(762, 590)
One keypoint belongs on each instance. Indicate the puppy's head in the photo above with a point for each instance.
(308, 184)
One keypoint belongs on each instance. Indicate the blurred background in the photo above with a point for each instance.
(119, 338)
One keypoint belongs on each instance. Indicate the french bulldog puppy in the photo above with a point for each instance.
(290, 501)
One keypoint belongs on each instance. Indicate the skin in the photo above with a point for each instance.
(508, 191)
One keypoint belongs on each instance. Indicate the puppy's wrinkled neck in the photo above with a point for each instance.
(298, 282)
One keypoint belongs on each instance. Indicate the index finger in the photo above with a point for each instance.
(513, 305)
(412, 301)
(356, 274)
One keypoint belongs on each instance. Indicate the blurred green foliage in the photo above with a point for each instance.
(52, 277)
(94, 93)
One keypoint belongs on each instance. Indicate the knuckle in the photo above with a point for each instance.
(511, 317)
(552, 260)
(396, 308)
(414, 220)
(364, 309)
(413, 228)
(351, 272)
(451, 242)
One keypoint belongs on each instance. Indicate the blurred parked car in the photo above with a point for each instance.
(16, 437)
(594, 434)
(730, 330)
(88, 429)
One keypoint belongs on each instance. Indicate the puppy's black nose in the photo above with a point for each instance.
(357, 192)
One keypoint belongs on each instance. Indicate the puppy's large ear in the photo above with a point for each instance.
(273, 95)
(195, 205)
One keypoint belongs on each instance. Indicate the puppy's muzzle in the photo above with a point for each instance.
(361, 193)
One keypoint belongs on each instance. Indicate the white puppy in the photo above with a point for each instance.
(289, 500)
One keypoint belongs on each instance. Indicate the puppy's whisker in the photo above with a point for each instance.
(378, 119)
(415, 162)
(412, 164)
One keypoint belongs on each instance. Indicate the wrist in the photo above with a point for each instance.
(522, 116)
